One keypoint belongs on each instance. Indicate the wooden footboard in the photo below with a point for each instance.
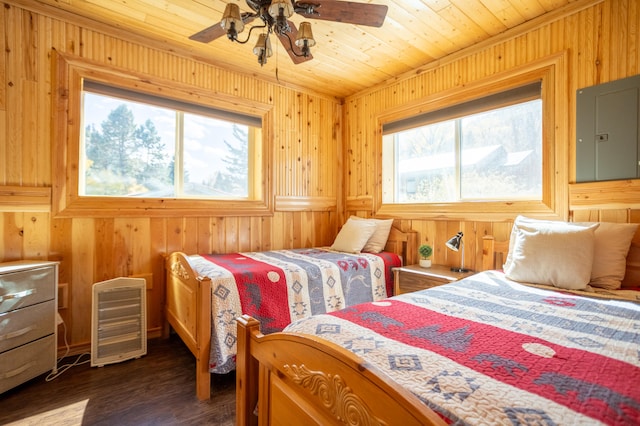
(297, 379)
(188, 312)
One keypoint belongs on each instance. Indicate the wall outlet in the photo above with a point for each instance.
(58, 319)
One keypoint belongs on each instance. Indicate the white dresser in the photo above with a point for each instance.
(28, 327)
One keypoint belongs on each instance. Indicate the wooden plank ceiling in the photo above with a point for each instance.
(346, 59)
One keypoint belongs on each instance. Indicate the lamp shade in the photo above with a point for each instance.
(262, 48)
(455, 242)
(277, 5)
(231, 18)
(305, 34)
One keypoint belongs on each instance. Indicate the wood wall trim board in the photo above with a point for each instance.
(80, 67)
(364, 202)
(297, 204)
(25, 199)
(606, 195)
(111, 210)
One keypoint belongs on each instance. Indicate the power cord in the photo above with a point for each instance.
(61, 369)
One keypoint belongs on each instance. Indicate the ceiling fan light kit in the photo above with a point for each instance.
(232, 22)
(281, 10)
(275, 15)
(305, 37)
(263, 49)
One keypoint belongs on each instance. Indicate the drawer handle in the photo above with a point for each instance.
(18, 295)
(16, 333)
(18, 370)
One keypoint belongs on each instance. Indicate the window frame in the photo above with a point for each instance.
(554, 203)
(70, 72)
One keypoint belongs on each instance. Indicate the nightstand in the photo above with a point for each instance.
(413, 277)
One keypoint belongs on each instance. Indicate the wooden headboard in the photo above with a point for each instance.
(404, 244)
(632, 274)
(494, 253)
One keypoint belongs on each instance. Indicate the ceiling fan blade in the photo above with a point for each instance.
(213, 32)
(346, 12)
(209, 34)
(290, 45)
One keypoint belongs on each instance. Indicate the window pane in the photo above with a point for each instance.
(216, 157)
(501, 153)
(128, 148)
(492, 155)
(134, 149)
(426, 163)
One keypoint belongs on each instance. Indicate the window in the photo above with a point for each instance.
(137, 145)
(130, 144)
(486, 149)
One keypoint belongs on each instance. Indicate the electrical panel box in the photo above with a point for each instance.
(607, 131)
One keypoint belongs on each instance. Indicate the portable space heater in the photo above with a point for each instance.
(118, 321)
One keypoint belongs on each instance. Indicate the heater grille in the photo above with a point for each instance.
(118, 321)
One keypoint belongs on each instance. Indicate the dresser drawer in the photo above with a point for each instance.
(415, 278)
(24, 288)
(26, 362)
(24, 325)
(414, 282)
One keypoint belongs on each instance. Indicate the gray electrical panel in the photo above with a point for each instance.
(607, 131)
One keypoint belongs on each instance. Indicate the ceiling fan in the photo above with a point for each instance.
(275, 14)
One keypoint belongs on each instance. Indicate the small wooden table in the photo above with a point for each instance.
(413, 277)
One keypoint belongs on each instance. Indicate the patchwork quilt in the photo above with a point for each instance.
(486, 350)
(278, 287)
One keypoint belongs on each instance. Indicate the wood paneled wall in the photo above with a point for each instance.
(324, 151)
(602, 43)
(306, 149)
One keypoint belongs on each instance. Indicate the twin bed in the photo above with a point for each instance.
(484, 350)
(206, 293)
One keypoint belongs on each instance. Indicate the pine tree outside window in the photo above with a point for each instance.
(153, 147)
(139, 145)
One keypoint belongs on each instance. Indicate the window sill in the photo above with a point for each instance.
(161, 207)
(473, 211)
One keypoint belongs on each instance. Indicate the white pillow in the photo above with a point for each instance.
(612, 242)
(353, 236)
(550, 252)
(378, 240)
(536, 223)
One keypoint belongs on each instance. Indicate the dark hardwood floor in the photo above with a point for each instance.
(157, 389)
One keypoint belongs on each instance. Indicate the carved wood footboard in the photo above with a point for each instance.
(295, 379)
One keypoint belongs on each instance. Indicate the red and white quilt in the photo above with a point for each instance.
(486, 350)
(281, 286)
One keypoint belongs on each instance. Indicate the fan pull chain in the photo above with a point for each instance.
(277, 57)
